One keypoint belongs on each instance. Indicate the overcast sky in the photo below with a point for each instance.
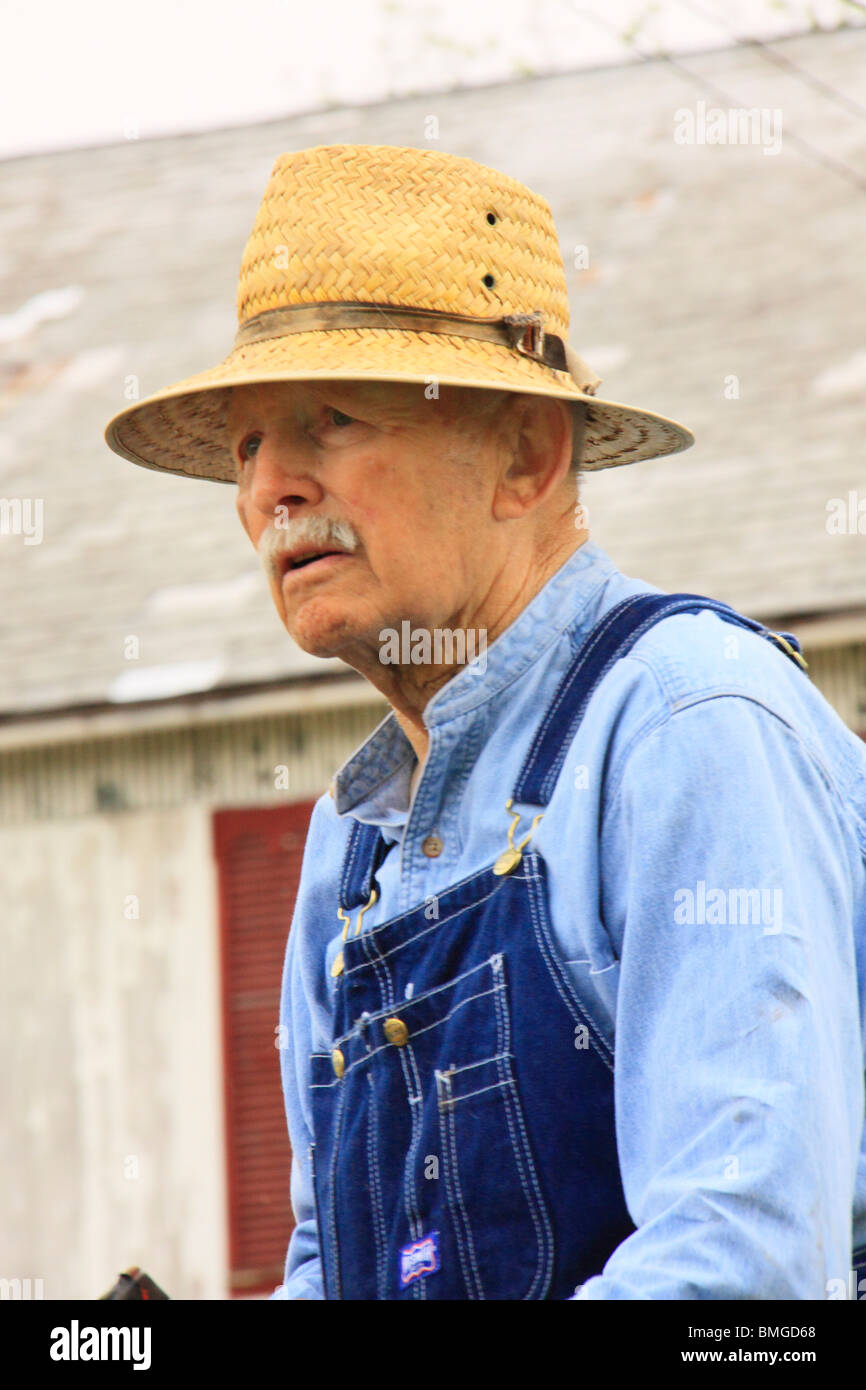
(84, 72)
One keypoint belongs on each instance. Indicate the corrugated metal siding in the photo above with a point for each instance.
(840, 675)
(234, 762)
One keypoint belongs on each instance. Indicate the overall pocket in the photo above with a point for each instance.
(501, 1224)
(423, 1134)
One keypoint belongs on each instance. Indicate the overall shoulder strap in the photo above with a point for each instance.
(611, 638)
(365, 851)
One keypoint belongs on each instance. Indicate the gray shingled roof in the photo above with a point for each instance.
(704, 262)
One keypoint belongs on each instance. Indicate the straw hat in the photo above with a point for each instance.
(374, 261)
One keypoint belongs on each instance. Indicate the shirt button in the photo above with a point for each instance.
(432, 847)
(338, 1061)
(396, 1031)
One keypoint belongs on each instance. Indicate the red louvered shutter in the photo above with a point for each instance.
(258, 852)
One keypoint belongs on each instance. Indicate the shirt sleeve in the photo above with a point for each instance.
(303, 1273)
(728, 869)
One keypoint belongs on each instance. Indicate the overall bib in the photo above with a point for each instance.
(464, 1137)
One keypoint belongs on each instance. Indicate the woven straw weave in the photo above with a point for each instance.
(380, 224)
(386, 225)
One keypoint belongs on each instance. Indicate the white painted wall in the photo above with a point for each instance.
(112, 1134)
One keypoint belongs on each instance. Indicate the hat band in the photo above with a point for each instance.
(523, 332)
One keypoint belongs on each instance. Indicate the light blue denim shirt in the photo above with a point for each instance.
(706, 849)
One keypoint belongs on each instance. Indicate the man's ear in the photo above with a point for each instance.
(538, 456)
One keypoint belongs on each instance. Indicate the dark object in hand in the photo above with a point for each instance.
(133, 1283)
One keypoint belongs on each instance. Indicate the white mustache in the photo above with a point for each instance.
(305, 530)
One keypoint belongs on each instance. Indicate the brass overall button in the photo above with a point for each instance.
(508, 860)
(432, 847)
(396, 1031)
(339, 1062)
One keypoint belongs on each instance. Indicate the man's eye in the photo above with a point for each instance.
(339, 418)
(249, 446)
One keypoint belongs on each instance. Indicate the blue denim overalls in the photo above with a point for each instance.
(464, 1138)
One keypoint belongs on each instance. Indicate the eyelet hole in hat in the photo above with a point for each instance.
(488, 281)
(491, 218)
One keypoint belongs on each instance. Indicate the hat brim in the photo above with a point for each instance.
(181, 429)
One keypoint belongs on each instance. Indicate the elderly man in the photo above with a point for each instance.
(570, 999)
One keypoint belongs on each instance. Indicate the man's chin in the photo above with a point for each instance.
(333, 621)
(319, 634)
(313, 643)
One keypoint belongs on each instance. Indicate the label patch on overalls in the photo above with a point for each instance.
(419, 1259)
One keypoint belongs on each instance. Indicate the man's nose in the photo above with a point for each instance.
(282, 474)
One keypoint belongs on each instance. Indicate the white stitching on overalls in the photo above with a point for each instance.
(559, 978)
(434, 926)
(472, 1066)
(332, 1214)
(494, 1086)
(416, 1032)
(367, 1056)
(420, 998)
(537, 1209)
(447, 1123)
(354, 841)
(442, 1083)
(379, 1232)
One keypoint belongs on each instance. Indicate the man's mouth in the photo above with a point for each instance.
(307, 559)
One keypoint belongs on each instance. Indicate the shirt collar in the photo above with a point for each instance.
(373, 784)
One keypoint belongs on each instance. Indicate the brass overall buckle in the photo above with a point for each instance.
(511, 857)
(338, 962)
